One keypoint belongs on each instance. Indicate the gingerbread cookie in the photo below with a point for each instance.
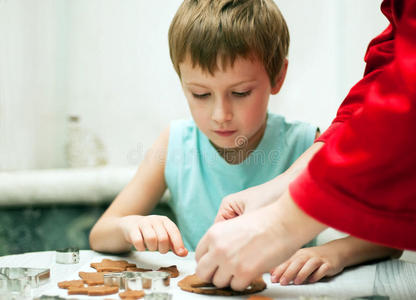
(133, 294)
(77, 290)
(69, 283)
(172, 270)
(101, 290)
(92, 278)
(109, 265)
(195, 285)
(259, 298)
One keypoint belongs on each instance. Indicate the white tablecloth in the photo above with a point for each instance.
(358, 281)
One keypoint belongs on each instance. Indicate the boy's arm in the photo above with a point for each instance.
(312, 264)
(301, 163)
(137, 199)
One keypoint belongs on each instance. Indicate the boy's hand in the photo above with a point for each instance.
(155, 233)
(308, 265)
(232, 206)
(252, 198)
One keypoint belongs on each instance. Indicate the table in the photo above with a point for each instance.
(394, 278)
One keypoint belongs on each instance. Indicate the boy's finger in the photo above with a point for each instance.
(175, 238)
(162, 237)
(137, 240)
(319, 274)
(225, 212)
(219, 217)
(228, 214)
(149, 236)
(278, 271)
(308, 268)
(291, 272)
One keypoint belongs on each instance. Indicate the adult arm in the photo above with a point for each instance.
(363, 180)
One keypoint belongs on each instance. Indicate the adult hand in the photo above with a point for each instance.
(228, 254)
(155, 233)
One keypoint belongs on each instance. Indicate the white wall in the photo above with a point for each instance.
(31, 113)
(108, 62)
(328, 43)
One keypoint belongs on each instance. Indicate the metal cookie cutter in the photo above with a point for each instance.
(132, 280)
(156, 280)
(114, 279)
(16, 283)
(158, 296)
(13, 277)
(67, 256)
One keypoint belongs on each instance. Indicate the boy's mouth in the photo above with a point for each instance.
(225, 132)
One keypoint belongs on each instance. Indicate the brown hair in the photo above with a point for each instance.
(210, 29)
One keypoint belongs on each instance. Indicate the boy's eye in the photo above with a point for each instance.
(201, 96)
(241, 94)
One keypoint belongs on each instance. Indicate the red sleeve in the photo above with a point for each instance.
(380, 53)
(363, 181)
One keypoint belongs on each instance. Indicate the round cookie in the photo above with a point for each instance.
(193, 284)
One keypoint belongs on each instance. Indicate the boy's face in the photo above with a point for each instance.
(230, 106)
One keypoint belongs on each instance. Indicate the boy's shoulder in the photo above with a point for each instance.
(183, 126)
(183, 123)
(281, 126)
(281, 121)
(182, 130)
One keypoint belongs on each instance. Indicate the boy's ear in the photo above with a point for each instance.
(280, 78)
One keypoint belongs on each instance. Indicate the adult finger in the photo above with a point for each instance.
(202, 247)
(221, 278)
(308, 268)
(149, 236)
(240, 283)
(207, 266)
(175, 238)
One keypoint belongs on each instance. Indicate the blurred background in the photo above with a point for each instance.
(107, 63)
(86, 87)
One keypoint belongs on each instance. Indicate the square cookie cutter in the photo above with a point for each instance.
(19, 281)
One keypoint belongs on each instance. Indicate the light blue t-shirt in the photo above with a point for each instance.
(198, 177)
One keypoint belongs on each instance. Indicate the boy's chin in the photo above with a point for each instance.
(231, 146)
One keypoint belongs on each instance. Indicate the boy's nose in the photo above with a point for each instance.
(222, 111)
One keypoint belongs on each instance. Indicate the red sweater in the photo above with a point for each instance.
(363, 180)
